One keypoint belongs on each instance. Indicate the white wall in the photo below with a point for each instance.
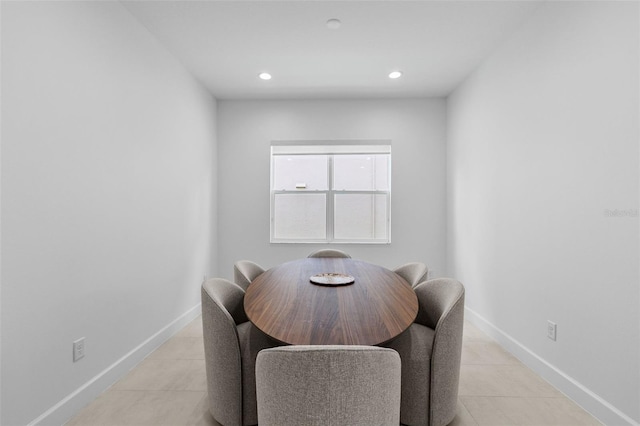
(542, 141)
(108, 193)
(416, 129)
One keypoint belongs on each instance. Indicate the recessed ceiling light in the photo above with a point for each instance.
(395, 74)
(265, 76)
(333, 24)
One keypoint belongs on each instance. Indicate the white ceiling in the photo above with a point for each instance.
(226, 44)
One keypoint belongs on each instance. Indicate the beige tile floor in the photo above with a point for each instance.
(169, 388)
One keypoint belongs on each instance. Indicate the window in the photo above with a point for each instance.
(337, 192)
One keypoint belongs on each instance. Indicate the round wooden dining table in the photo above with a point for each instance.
(286, 305)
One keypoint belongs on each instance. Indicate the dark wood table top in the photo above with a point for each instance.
(283, 303)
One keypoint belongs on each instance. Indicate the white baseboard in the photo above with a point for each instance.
(64, 410)
(588, 400)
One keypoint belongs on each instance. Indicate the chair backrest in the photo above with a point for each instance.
(441, 307)
(222, 309)
(330, 253)
(328, 385)
(245, 271)
(414, 272)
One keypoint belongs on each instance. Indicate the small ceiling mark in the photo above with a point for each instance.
(333, 23)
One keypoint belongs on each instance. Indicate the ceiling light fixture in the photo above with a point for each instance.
(395, 74)
(265, 76)
(333, 24)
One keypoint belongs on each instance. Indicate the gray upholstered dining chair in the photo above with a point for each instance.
(245, 271)
(330, 253)
(414, 272)
(231, 344)
(328, 385)
(430, 350)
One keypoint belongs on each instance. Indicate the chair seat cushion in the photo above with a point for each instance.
(252, 341)
(414, 346)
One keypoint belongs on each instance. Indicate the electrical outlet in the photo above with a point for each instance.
(78, 349)
(552, 329)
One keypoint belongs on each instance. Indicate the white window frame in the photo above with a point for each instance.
(331, 149)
